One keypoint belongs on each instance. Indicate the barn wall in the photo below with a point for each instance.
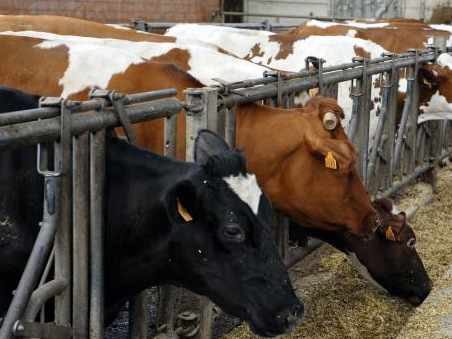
(117, 10)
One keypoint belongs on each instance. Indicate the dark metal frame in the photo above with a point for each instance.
(73, 208)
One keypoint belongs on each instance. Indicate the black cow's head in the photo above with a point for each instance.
(223, 243)
(390, 258)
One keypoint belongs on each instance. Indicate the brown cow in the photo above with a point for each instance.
(48, 70)
(73, 26)
(396, 36)
(286, 148)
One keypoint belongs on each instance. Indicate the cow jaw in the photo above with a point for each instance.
(363, 271)
(246, 187)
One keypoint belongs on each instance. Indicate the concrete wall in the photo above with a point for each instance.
(288, 7)
(417, 9)
(117, 10)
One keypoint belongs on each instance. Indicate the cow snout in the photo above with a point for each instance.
(291, 317)
(419, 297)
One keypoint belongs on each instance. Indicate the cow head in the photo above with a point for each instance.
(435, 81)
(223, 242)
(320, 183)
(389, 259)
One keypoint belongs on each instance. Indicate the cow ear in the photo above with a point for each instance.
(428, 77)
(183, 202)
(208, 143)
(383, 204)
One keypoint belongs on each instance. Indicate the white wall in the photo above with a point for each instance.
(324, 8)
(287, 7)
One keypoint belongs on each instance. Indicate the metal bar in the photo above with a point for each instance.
(378, 141)
(195, 117)
(196, 120)
(377, 65)
(37, 330)
(10, 118)
(138, 316)
(272, 15)
(63, 237)
(38, 257)
(281, 234)
(405, 114)
(34, 132)
(81, 213)
(41, 296)
(405, 181)
(302, 252)
(150, 26)
(246, 95)
(97, 178)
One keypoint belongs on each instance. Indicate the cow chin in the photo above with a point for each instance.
(281, 323)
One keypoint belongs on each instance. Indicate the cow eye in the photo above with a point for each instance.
(411, 243)
(233, 233)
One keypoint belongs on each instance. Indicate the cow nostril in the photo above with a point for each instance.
(297, 311)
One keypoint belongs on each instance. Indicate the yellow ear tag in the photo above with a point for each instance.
(330, 162)
(390, 234)
(183, 212)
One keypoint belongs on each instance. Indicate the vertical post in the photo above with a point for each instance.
(168, 295)
(196, 116)
(138, 316)
(97, 177)
(63, 237)
(229, 128)
(379, 168)
(359, 124)
(202, 116)
(80, 305)
(402, 131)
(387, 147)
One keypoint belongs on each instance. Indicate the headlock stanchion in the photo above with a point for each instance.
(391, 159)
(73, 208)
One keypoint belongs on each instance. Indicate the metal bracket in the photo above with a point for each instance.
(117, 100)
(317, 63)
(65, 128)
(41, 330)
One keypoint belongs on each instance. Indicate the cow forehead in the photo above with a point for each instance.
(247, 188)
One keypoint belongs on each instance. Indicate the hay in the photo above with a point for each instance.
(341, 304)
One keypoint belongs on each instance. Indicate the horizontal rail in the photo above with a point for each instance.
(51, 112)
(281, 15)
(300, 82)
(34, 132)
(266, 25)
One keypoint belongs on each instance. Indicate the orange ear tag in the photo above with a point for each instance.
(183, 212)
(390, 234)
(330, 162)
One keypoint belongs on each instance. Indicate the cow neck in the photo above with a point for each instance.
(267, 137)
(137, 255)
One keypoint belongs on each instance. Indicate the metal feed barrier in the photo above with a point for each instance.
(398, 154)
(73, 214)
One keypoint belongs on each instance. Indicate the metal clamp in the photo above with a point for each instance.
(317, 63)
(42, 160)
(118, 101)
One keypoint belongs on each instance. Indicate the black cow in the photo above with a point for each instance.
(391, 264)
(167, 222)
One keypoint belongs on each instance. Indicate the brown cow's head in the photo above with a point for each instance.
(390, 259)
(327, 161)
(306, 164)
